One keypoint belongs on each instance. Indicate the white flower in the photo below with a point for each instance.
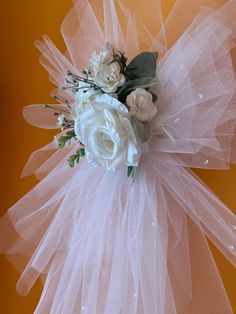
(61, 120)
(105, 130)
(82, 98)
(109, 77)
(97, 59)
(141, 105)
(85, 92)
(105, 73)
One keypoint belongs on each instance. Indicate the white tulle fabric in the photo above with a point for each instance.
(100, 243)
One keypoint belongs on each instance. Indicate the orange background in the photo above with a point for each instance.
(23, 81)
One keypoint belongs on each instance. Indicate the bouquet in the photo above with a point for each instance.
(112, 109)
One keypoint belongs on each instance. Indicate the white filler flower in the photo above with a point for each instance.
(61, 120)
(104, 128)
(82, 98)
(85, 91)
(141, 105)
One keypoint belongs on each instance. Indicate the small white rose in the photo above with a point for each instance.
(109, 78)
(141, 105)
(105, 73)
(105, 130)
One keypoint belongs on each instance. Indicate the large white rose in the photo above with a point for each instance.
(109, 77)
(141, 105)
(104, 128)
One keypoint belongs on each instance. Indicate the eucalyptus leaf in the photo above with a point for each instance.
(132, 172)
(143, 65)
(154, 96)
(141, 130)
(144, 82)
(130, 169)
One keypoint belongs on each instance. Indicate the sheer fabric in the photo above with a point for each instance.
(100, 243)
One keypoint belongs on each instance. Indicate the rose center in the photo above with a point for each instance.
(104, 143)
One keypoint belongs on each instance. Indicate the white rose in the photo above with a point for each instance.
(141, 105)
(105, 130)
(109, 77)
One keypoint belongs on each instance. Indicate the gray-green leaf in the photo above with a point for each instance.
(141, 130)
(132, 172)
(142, 65)
(144, 82)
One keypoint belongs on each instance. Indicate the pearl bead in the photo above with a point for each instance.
(199, 95)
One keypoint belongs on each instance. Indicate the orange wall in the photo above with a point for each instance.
(23, 81)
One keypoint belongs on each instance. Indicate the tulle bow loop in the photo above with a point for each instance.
(214, 218)
(45, 159)
(42, 116)
(57, 65)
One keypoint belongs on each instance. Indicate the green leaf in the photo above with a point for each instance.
(71, 160)
(61, 145)
(82, 152)
(130, 169)
(61, 142)
(154, 96)
(142, 65)
(132, 172)
(71, 134)
(76, 157)
(62, 139)
(137, 83)
(141, 130)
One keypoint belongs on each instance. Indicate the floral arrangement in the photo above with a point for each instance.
(113, 106)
